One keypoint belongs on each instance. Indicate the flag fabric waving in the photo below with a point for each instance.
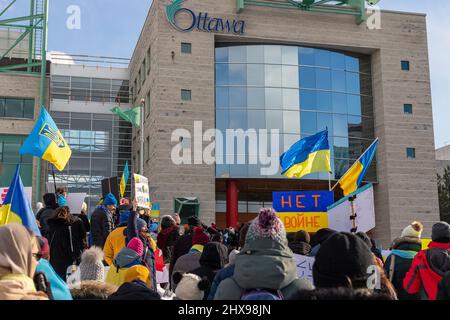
(133, 115)
(16, 207)
(351, 180)
(309, 155)
(123, 181)
(46, 141)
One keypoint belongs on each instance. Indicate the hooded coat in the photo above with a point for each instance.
(399, 261)
(92, 290)
(181, 247)
(102, 223)
(213, 258)
(189, 261)
(166, 240)
(427, 270)
(444, 288)
(135, 290)
(114, 243)
(125, 259)
(45, 213)
(263, 264)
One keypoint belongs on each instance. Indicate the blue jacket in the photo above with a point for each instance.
(223, 274)
(60, 290)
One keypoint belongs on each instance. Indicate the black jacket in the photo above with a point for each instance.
(136, 290)
(213, 259)
(402, 265)
(300, 247)
(102, 223)
(42, 216)
(61, 254)
(180, 248)
(444, 288)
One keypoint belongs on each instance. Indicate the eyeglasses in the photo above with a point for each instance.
(38, 255)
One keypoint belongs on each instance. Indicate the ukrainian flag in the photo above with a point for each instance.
(309, 155)
(123, 181)
(350, 182)
(16, 207)
(47, 142)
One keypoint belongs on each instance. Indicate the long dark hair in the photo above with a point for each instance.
(63, 213)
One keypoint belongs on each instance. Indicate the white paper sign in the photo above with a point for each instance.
(75, 202)
(141, 191)
(339, 214)
(304, 267)
(4, 192)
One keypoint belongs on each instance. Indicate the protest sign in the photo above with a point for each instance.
(4, 192)
(75, 201)
(303, 210)
(340, 212)
(304, 266)
(141, 191)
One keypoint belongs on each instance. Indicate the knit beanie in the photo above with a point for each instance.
(140, 223)
(267, 225)
(199, 236)
(414, 230)
(137, 272)
(342, 261)
(91, 266)
(136, 245)
(302, 236)
(441, 232)
(194, 221)
(110, 199)
(190, 286)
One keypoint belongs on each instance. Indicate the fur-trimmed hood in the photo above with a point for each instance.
(407, 243)
(92, 290)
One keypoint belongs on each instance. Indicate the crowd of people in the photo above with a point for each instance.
(119, 252)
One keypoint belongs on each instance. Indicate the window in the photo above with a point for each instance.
(10, 157)
(17, 108)
(405, 65)
(147, 104)
(144, 74)
(186, 95)
(147, 147)
(411, 153)
(408, 108)
(139, 81)
(148, 61)
(186, 48)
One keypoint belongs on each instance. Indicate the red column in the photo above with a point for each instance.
(232, 204)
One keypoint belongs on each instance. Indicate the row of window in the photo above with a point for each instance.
(17, 108)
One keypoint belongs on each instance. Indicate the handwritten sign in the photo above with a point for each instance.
(304, 267)
(303, 210)
(141, 191)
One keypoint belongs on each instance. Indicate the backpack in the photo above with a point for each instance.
(261, 294)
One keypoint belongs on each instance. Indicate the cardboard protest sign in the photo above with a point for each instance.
(303, 210)
(4, 192)
(75, 201)
(304, 267)
(141, 191)
(340, 212)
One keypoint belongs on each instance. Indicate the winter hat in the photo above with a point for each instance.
(199, 236)
(140, 223)
(124, 217)
(302, 236)
(267, 225)
(342, 261)
(414, 230)
(110, 199)
(194, 221)
(91, 266)
(137, 272)
(136, 245)
(441, 232)
(232, 257)
(363, 236)
(190, 286)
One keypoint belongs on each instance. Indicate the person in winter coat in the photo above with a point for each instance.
(320, 236)
(184, 244)
(67, 240)
(342, 293)
(301, 245)
(398, 263)
(430, 265)
(42, 216)
(135, 286)
(102, 221)
(213, 258)
(93, 290)
(265, 261)
(191, 260)
(167, 237)
(116, 240)
(19, 251)
(84, 217)
(444, 288)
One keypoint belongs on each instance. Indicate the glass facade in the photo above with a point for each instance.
(17, 108)
(10, 157)
(101, 145)
(299, 91)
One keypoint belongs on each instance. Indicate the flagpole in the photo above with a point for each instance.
(329, 180)
(53, 174)
(354, 164)
(141, 160)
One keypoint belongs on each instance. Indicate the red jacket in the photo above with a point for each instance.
(428, 269)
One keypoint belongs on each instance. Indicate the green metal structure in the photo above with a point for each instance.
(31, 28)
(355, 8)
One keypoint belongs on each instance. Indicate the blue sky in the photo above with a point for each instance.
(112, 27)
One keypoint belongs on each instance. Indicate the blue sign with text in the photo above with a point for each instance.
(302, 201)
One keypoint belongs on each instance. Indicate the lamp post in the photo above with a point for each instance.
(141, 160)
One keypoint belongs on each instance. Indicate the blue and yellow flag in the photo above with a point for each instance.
(123, 181)
(350, 181)
(16, 207)
(47, 142)
(309, 155)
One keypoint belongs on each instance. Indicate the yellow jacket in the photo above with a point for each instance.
(114, 243)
